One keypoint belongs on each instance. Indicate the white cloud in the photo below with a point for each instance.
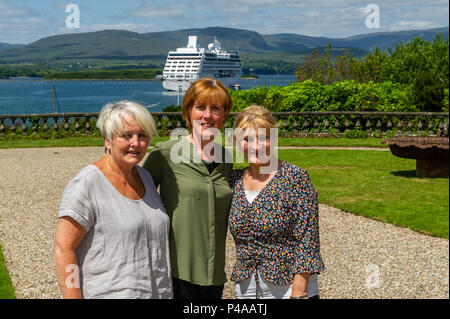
(19, 24)
(8, 11)
(412, 25)
(161, 11)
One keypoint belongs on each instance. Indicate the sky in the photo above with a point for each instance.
(26, 21)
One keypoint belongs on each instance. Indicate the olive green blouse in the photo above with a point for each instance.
(198, 204)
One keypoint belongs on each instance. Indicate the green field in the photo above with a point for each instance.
(134, 74)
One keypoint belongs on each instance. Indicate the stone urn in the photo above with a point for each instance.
(430, 153)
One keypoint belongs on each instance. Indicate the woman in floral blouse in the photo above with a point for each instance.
(273, 218)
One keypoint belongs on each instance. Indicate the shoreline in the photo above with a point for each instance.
(53, 80)
(107, 79)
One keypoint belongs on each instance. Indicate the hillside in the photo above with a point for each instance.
(4, 46)
(113, 47)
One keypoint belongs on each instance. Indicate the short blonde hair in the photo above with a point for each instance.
(110, 119)
(256, 116)
(205, 88)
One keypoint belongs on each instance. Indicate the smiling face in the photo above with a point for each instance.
(207, 116)
(256, 145)
(128, 147)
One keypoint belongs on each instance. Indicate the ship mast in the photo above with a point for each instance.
(54, 96)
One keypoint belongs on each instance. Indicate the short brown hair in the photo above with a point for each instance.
(202, 88)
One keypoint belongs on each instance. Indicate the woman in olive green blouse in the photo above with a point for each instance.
(193, 179)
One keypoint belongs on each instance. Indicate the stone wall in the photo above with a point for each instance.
(290, 124)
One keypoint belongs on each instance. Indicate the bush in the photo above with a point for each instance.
(348, 95)
(172, 108)
(427, 92)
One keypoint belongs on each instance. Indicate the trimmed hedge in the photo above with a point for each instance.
(347, 95)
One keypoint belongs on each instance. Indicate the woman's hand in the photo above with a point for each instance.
(299, 287)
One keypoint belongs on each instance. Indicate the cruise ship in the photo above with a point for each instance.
(188, 64)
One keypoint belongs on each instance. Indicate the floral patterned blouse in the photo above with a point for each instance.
(278, 233)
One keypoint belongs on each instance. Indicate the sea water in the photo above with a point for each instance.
(34, 96)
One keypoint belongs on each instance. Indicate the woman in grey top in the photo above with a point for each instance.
(112, 235)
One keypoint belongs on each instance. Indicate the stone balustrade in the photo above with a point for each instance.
(291, 124)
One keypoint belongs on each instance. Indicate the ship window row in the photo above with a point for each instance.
(182, 59)
(221, 64)
(215, 60)
(183, 63)
(222, 59)
(181, 67)
(205, 67)
(215, 70)
(182, 70)
(185, 54)
(213, 56)
(180, 76)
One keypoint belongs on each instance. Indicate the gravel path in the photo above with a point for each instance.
(364, 258)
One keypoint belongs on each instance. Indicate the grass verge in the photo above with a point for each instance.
(6, 288)
(98, 141)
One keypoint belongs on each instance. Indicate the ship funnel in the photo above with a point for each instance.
(192, 43)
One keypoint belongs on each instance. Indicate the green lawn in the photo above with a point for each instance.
(377, 185)
(98, 141)
(332, 141)
(60, 142)
(6, 288)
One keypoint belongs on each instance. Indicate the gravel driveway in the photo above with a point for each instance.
(364, 258)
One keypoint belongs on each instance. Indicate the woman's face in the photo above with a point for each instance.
(256, 145)
(129, 147)
(207, 116)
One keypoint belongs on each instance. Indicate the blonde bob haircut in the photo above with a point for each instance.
(110, 119)
(255, 116)
(205, 89)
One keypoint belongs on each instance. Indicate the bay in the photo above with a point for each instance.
(34, 96)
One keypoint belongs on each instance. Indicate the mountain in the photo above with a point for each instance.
(368, 42)
(4, 46)
(114, 47)
(386, 40)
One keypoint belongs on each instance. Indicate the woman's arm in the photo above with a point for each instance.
(69, 235)
(300, 284)
(306, 233)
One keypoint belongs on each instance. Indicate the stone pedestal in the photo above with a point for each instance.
(432, 168)
(430, 153)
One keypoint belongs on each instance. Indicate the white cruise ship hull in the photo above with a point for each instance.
(183, 85)
(173, 85)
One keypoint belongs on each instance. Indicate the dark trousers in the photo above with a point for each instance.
(185, 290)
